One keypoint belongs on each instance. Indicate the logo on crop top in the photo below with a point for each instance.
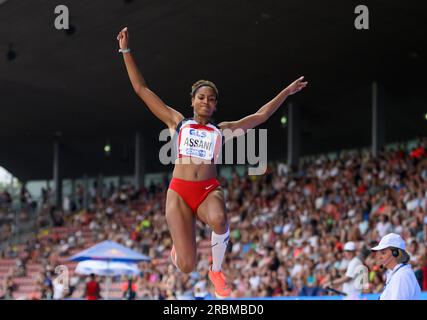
(197, 133)
(197, 153)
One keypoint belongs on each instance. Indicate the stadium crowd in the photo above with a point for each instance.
(288, 228)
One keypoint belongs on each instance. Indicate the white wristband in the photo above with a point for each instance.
(124, 50)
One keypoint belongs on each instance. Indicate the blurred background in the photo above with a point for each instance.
(79, 152)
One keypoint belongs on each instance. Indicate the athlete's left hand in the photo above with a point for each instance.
(297, 85)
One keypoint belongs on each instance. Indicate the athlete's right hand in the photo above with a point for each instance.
(123, 38)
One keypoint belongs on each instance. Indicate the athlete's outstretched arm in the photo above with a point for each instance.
(264, 112)
(169, 116)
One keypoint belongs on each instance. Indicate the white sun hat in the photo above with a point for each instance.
(350, 246)
(390, 240)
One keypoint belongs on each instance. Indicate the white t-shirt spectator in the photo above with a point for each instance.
(109, 211)
(413, 204)
(254, 281)
(287, 227)
(343, 264)
(66, 204)
(236, 247)
(383, 228)
(318, 202)
(313, 240)
(282, 170)
(94, 225)
(58, 290)
(64, 247)
(334, 172)
(349, 286)
(129, 244)
(296, 269)
(72, 241)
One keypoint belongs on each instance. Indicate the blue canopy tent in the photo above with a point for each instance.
(110, 251)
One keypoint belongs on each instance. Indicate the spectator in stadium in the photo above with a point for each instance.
(93, 289)
(129, 288)
(376, 285)
(9, 288)
(384, 226)
(59, 289)
(392, 255)
(21, 269)
(72, 286)
(419, 266)
(309, 287)
(47, 285)
(348, 281)
(5, 199)
(26, 199)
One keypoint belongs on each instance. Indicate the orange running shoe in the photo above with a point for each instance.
(173, 257)
(222, 290)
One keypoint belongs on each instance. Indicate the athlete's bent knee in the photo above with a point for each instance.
(186, 266)
(219, 223)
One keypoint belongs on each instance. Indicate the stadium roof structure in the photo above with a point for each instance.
(73, 84)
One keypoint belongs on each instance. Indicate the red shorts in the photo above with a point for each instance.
(193, 192)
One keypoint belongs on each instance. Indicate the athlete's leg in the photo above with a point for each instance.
(212, 212)
(182, 226)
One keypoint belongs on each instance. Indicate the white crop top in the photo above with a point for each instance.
(196, 140)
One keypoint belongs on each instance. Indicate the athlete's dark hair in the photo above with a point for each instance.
(203, 83)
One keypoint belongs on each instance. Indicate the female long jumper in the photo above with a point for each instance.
(194, 191)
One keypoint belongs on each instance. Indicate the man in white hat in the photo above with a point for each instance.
(401, 283)
(347, 281)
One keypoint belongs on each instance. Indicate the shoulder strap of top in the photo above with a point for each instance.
(219, 129)
(179, 125)
(215, 125)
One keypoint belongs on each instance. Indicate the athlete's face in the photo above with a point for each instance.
(204, 102)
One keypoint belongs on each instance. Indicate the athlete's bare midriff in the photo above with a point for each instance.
(194, 172)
